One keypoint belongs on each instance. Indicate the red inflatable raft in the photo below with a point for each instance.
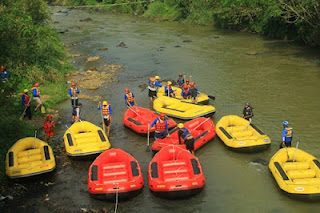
(174, 173)
(202, 129)
(137, 119)
(115, 172)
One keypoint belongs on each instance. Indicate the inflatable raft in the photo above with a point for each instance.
(174, 173)
(138, 118)
(84, 138)
(115, 173)
(202, 98)
(29, 156)
(241, 135)
(301, 178)
(202, 129)
(175, 108)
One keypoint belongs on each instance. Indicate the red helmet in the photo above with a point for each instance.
(162, 114)
(49, 117)
(126, 90)
(180, 74)
(36, 84)
(187, 80)
(73, 84)
(192, 84)
(185, 86)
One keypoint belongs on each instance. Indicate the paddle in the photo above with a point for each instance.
(103, 126)
(246, 126)
(35, 136)
(161, 100)
(148, 138)
(43, 109)
(295, 152)
(24, 111)
(286, 149)
(133, 111)
(201, 123)
(212, 97)
(70, 132)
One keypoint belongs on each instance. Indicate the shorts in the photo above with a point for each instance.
(190, 144)
(106, 122)
(161, 135)
(49, 134)
(38, 100)
(152, 93)
(287, 144)
(74, 102)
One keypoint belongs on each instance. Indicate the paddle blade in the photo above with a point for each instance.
(212, 97)
(148, 149)
(21, 118)
(43, 110)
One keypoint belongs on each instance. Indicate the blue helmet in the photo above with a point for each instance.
(285, 123)
(247, 103)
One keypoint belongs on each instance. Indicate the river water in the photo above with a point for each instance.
(282, 82)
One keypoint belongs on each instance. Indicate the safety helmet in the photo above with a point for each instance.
(285, 123)
(73, 84)
(187, 80)
(192, 84)
(162, 114)
(169, 83)
(25, 90)
(247, 103)
(185, 87)
(104, 103)
(36, 84)
(49, 117)
(126, 90)
(180, 125)
(152, 79)
(180, 74)
(157, 77)
(2, 68)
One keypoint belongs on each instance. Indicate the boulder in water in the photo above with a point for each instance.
(122, 44)
(86, 20)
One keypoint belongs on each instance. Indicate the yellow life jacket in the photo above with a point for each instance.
(289, 134)
(129, 96)
(105, 110)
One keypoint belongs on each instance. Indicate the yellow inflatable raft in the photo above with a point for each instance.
(301, 178)
(202, 98)
(175, 108)
(85, 138)
(241, 135)
(29, 156)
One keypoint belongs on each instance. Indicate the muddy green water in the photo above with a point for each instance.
(282, 82)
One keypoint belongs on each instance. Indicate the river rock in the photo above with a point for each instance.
(186, 41)
(122, 44)
(251, 53)
(86, 20)
(177, 46)
(103, 49)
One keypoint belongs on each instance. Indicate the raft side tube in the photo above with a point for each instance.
(134, 121)
(282, 173)
(103, 139)
(134, 168)
(69, 139)
(195, 166)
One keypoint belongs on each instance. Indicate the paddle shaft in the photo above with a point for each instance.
(160, 100)
(201, 123)
(70, 131)
(133, 110)
(35, 136)
(295, 152)
(103, 126)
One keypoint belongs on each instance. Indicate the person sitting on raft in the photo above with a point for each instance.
(161, 127)
(152, 86)
(169, 91)
(129, 98)
(194, 92)
(185, 92)
(187, 83)
(180, 81)
(187, 137)
(106, 113)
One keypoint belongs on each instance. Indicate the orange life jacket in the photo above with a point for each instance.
(130, 97)
(105, 110)
(48, 127)
(160, 125)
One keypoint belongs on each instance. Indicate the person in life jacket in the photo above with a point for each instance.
(76, 113)
(180, 81)
(129, 98)
(48, 126)
(247, 112)
(4, 74)
(194, 92)
(160, 126)
(25, 101)
(185, 92)
(287, 134)
(106, 113)
(187, 82)
(36, 95)
(187, 137)
(73, 91)
(169, 91)
(152, 86)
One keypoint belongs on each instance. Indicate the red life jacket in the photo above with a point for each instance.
(186, 91)
(105, 110)
(160, 125)
(48, 126)
(129, 96)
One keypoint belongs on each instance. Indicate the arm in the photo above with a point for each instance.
(284, 132)
(22, 100)
(110, 110)
(157, 84)
(134, 99)
(99, 105)
(78, 91)
(179, 135)
(70, 92)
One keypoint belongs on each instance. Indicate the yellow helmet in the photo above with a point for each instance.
(105, 103)
(169, 83)
(180, 125)
(157, 77)
(25, 90)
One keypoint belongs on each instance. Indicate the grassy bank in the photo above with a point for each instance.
(31, 52)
